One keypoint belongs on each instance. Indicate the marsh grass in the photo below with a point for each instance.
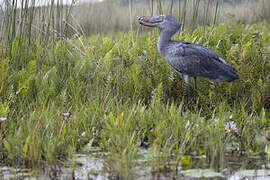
(122, 97)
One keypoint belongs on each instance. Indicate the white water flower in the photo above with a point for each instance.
(66, 114)
(83, 134)
(2, 119)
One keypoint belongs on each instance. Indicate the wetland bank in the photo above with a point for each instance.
(107, 105)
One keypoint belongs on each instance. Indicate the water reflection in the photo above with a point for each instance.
(93, 167)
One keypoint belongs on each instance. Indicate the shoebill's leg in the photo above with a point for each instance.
(195, 88)
(186, 79)
(195, 83)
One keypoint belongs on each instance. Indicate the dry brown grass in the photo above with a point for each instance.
(102, 17)
(246, 13)
(109, 16)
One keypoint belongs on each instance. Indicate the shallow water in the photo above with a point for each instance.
(94, 167)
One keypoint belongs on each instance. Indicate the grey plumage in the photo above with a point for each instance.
(188, 59)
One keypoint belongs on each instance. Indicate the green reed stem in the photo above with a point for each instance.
(216, 11)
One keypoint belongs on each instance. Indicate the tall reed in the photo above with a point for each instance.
(28, 20)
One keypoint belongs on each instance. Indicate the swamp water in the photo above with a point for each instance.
(94, 166)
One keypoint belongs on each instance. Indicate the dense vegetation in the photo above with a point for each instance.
(121, 96)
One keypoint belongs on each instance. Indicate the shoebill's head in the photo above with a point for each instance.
(163, 22)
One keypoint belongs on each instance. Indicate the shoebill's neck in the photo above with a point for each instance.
(164, 39)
